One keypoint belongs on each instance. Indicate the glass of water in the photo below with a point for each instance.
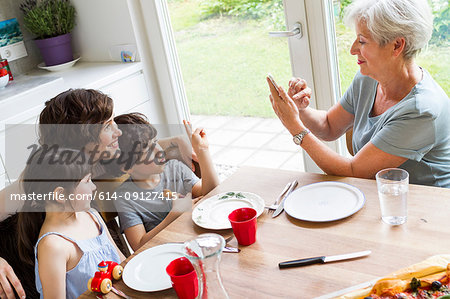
(393, 193)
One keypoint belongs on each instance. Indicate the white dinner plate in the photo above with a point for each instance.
(146, 272)
(212, 213)
(58, 67)
(324, 201)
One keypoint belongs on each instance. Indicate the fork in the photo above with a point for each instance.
(274, 206)
(230, 249)
(229, 239)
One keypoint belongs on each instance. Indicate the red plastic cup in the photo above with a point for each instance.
(243, 222)
(183, 277)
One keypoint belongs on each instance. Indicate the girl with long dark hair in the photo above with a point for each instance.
(57, 226)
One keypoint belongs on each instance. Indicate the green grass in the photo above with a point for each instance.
(184, 14)
(224, 61)
(224, 64)
(436, 60)
(347, 62)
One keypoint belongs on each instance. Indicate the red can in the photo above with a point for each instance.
(4, 64)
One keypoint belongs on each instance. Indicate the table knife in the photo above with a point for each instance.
(231, 249)
(286, 189)
(281, 205)
(323, 259)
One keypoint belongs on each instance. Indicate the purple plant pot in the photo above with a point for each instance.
(56, 50)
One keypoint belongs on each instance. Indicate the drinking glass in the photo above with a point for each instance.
(205, 252)
(392, 186)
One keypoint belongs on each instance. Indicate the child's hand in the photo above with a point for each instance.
(182, 203)
(198, 138)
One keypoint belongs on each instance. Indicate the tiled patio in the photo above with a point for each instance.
(250, 141)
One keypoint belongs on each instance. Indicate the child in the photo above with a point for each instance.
(143, 210)
(68, 238)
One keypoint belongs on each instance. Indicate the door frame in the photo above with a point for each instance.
(314, 58)
(156, 44)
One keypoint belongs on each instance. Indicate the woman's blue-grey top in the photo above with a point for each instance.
(417, 127)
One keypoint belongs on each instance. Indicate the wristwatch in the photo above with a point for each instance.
(299, 137)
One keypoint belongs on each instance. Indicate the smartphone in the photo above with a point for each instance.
(272, 80)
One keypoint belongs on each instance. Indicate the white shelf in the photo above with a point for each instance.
(92, 74)
(25, 97)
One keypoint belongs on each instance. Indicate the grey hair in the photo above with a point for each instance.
(387, 20)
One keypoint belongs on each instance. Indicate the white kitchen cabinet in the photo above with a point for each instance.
(20, 141)
(127, 93)
(143, 108)
(18, 147)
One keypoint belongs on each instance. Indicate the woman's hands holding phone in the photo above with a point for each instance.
(299, 92)
(285, 108)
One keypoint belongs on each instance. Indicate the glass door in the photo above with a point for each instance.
(225, 53)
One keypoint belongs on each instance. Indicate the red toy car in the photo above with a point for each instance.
(102, 280)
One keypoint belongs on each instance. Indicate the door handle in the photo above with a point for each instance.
(296, 31)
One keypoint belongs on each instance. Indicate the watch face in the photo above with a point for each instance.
(299, 137)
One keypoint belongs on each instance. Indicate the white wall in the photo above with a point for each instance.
(100, 25)
(105, 23)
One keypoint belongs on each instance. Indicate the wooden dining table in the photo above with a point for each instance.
(254, 272)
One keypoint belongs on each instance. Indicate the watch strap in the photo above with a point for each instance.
(298, 139)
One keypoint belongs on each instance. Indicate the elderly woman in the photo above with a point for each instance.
(398, 113)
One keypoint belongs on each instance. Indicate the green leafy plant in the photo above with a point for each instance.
(441, 26)
(48, 18)
(210, 8)
(343, 5)
(254, 9)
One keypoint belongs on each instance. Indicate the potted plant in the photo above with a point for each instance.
(52, 22)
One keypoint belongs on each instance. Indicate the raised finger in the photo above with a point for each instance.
(188, 127)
